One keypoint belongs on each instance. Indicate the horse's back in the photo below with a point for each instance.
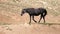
(37, 11)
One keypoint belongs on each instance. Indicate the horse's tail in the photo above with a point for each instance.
(45, 13)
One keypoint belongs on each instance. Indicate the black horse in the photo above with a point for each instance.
(35, 12)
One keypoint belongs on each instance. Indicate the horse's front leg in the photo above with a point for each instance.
(33, 19)
(30, 20)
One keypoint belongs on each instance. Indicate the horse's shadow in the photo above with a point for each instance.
(49, 24)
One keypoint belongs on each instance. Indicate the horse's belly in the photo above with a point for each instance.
(36, 14)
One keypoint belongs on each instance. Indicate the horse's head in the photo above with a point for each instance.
(23, 11)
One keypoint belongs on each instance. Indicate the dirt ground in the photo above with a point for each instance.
(29, 29)
(19, 25)
(11, 22)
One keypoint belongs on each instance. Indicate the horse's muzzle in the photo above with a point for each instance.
(21, 14)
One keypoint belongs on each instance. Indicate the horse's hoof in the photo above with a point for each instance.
(38, 22)
(29, 23)
(35, 22)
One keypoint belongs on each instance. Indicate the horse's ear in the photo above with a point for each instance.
(25, 10)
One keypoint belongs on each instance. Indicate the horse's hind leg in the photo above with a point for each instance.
(33, 19)
(44, 18)
(40, 18)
